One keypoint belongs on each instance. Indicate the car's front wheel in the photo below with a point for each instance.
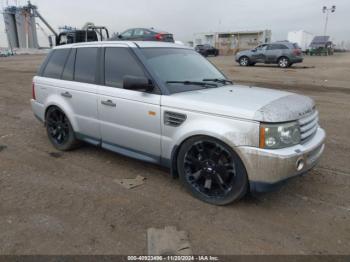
(283, 62)
(59, 130)
(211, 170)
(244, 61)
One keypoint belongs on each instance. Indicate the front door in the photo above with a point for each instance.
(259, 54)
(130, 120)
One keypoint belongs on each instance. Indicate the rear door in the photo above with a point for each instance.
(130, 120)
(274, 51)
(63, 84)
(79, 90)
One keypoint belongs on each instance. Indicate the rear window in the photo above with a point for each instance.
(86, 65)
(54, 67)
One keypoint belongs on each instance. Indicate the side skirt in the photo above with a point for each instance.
(123, 150)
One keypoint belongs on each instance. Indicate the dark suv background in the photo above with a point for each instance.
(206, 50)
(144, 34)
(284, 54)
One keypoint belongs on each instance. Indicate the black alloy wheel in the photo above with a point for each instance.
(212, 171)
(59, 129)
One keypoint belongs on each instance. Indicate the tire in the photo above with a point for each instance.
(211, 171)
(244, 61)
(59, 130)
(283, 62)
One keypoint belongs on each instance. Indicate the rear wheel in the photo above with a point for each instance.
(283, 62)
(211, 171)
(59, 130)
(244, 61)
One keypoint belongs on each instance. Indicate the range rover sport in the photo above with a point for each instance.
(166, 104)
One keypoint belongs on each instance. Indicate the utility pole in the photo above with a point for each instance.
(326, 11)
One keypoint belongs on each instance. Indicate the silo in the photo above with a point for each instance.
(33, 37)
(21, 28)
(11, 28)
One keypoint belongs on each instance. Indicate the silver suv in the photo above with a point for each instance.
(166, 104)
(284, 54)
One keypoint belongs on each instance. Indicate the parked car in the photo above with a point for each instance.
(207, 50)
(144, 34)
(164, 103)
(284, 54)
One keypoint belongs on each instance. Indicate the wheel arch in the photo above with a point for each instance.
(177, 147)
(66, 109)
(282, 56)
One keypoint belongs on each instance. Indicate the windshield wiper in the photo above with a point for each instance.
(218, 80)
(192, 83)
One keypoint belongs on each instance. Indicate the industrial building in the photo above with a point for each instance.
(231, 42)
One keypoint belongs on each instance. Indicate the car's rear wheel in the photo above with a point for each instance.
(211, 171)
(283, 62)
(59, 130)
(244, 61)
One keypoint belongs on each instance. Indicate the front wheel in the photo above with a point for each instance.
(244, 61)
(212, 171)
(59, 130)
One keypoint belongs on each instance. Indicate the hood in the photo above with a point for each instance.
(251, 103)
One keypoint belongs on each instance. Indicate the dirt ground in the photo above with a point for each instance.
(68, 203)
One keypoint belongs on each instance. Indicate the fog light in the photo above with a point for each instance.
(300, 164)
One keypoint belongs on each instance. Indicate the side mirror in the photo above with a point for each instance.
(120, 36)
(254, 50)
(137, 83)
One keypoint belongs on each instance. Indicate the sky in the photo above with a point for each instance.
(183, 18)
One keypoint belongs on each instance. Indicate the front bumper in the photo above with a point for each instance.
(268, 169)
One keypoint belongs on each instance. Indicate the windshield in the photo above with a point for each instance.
(181, 65)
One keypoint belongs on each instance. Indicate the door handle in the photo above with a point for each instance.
(108, 103)
(66, 94)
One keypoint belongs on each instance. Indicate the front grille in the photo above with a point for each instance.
(174, 119)
(308, 126)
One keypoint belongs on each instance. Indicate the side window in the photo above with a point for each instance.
(68, 71)
(261, 47)
(119, 62)
(86, 64)
(271, 47)
(283, 47)
(138, 32)
(54, 68)
(127, 33)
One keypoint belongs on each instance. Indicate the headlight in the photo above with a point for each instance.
(276, 136)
